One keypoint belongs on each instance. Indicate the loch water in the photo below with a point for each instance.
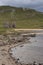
(30, 51)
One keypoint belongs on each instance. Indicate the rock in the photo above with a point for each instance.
(17, 59)
(21, 46)
(1, 37)
(35, 63)
(32, 35)
(1, 43)
(3, 64)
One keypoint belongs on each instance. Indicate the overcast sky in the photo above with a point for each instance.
(36, 4)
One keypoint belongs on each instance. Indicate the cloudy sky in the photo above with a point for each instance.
(36, 4)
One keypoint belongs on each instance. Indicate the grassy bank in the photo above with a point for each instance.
(23, 18)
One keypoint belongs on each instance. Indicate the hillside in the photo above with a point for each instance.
(22, 17)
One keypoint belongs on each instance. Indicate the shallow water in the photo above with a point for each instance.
(28, 53)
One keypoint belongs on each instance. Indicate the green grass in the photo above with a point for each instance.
(23, 18)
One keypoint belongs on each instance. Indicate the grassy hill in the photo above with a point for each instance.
(23, 17)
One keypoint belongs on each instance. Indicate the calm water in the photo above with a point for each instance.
(30, 52)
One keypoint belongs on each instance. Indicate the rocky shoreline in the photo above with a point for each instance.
(8, 41)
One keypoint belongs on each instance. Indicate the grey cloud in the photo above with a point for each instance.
(36, 4)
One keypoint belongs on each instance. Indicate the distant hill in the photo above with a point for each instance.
(22, 17)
